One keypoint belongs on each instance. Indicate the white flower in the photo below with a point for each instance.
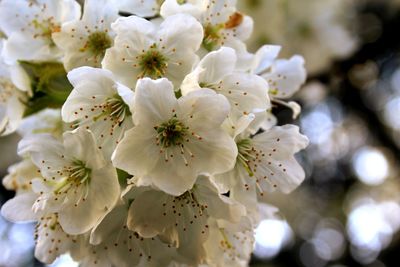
(84, 42)
(284, 76)
(51, 240)
(20, 175)
(113, 244)
(247, 93)
(29, 26)
(143, 49)
(229, 244)
(266, 161)
(182, 220)
(174, 141)
(223, 25)
(14, 91)
(77, 181)
(100, 104)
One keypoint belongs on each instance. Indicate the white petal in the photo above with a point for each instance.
(155, 101)
(280, 144)
(82, 146)
(133, 35)
(146, 214)
(172, 7)
(286, 77)
(116, 218)
(186, 38)
(88, 83)
(264, 58)
(204, 109)
(103, 194)
(137, 152)
(215, 66)
(19, 208)
(20, 78)
(219, 206)
(21, 47)
(97, 10)
(247, 93)
(148, 8)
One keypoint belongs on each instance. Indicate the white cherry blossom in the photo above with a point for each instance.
(113, 244)
(160, 140)
(183, 220)
(143, 49)
(29, 26)
(84, 42)
(100, 104)
(77, 182)
(247, 93)
(223, 24)
(267, 161)
(229, 244)
(284, 76)
(51, 240)
(20, 175)
(14, 91)
(175, 140)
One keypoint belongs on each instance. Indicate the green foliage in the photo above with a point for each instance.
(49, 83)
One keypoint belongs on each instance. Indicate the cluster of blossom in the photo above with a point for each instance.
(160, 141)
(322, 31)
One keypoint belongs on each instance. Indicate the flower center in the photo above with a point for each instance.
(115, 108)
(171, 133)
(212, 35)
(245, 154)
(78, 172)
(75, 175)
(98, 42)
(153, 64)
(45, 29)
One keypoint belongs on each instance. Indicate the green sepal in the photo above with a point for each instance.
(123, 177)
(178, 94)
(49, 83)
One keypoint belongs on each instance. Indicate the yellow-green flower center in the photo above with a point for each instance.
(212, 36)
(75, 175)
(45, 29)
(171, 133)
(98, 42)
(153, 64)
(245, 154)
(115, 108)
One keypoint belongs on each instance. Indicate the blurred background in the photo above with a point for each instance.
(347, 212)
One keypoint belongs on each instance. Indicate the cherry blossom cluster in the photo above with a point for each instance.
(148, 137)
